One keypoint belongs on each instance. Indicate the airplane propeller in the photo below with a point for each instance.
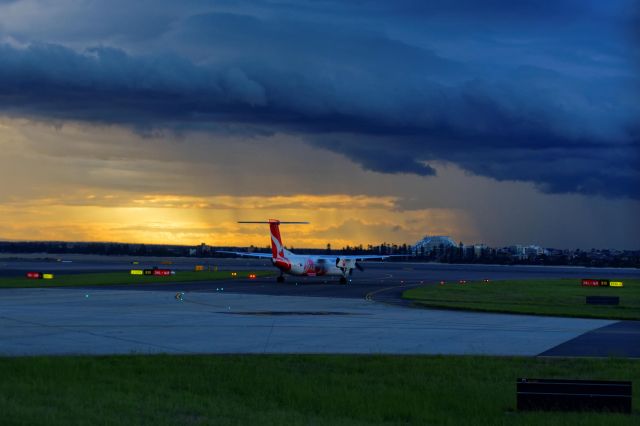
(348, 264)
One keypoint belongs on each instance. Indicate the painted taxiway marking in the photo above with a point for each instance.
(370, 296)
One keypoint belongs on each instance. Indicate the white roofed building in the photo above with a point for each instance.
(434, 242)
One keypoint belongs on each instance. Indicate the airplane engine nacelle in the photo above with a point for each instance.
(345, 264)
(322, 266)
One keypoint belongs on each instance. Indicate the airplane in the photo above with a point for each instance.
(302, 264)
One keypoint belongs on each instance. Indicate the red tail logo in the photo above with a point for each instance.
(277, 249)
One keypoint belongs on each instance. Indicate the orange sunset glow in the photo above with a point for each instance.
(76, 182)
(339, 220)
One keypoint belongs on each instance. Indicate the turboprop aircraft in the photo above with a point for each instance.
(303, 264)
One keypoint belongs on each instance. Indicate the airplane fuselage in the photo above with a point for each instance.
(304, 265)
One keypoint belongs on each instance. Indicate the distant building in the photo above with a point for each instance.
(434, 242)
(203, 249)
(533, 251)
(479, 250)
(526, 252)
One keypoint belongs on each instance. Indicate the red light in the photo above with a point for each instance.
(34, 275)
(252, 276)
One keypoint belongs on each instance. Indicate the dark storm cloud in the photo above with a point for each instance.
(558, 108)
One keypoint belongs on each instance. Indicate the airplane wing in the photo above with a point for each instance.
(244, 253)
(367, 256)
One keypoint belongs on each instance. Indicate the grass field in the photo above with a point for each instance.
(543, 297)
(287, 389)
(112, 278)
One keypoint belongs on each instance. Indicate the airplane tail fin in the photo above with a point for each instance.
(277, 248)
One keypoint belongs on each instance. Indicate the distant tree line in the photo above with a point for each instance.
(94, 248)
(442, 254)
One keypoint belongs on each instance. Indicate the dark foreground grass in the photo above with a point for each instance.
(288, 389)
(114, 278)
(564, 297)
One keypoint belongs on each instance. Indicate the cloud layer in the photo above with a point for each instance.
(527, 92)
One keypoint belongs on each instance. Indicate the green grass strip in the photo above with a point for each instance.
(114, 278)
(564, 297)
(291, 390)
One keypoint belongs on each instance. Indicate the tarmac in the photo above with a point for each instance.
(310, 315)
(72, 321)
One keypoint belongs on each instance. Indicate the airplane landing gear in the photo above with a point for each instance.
(280, 279)
(343, 280)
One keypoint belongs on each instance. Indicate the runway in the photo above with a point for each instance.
(70, 321)
(311, 315)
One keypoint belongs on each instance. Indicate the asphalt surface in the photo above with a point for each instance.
(380, 282)
(48, 321)
(621, 339)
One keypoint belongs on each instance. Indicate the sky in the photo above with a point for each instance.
(494, 122)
